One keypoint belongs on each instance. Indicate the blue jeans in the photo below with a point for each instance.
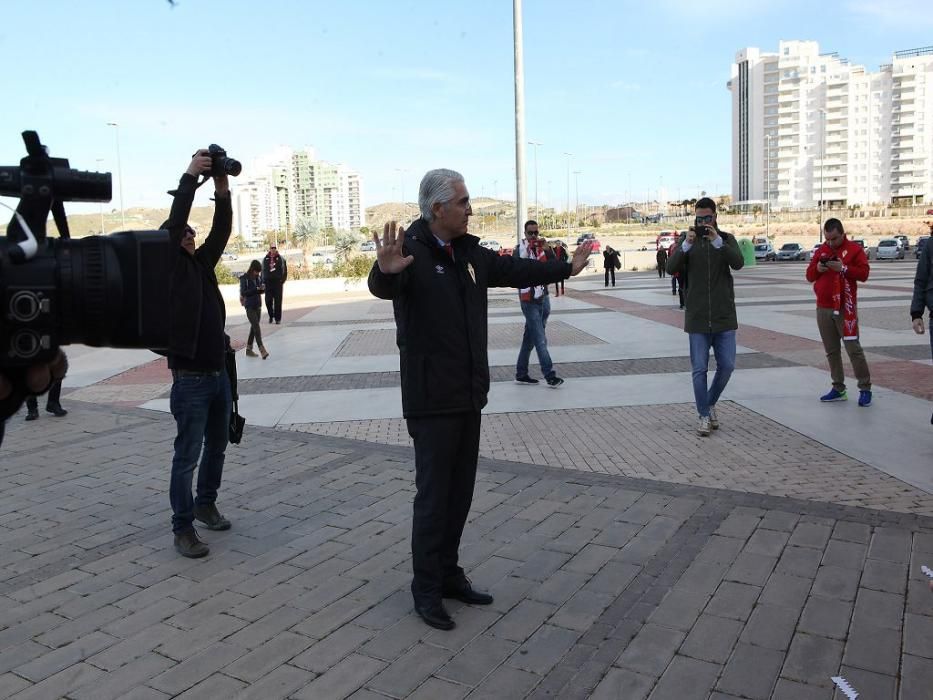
(201, 407)
(723, 345)
(536, 313)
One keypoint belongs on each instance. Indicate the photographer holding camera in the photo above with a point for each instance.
(835, 269)
(201, 396)
(709, 255)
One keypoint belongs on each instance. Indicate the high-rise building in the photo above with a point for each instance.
(810, 127)
(291, 187)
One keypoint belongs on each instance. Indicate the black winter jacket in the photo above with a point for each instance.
(185, 286)
(923, 283)
(440, 316)
(277, 274)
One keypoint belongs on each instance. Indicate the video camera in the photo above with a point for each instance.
(103, 291)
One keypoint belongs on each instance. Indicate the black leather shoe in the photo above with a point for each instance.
(435, 615)
(463, 591)
(211, 517)
(32, 415)
(188, 544)
(56, 410)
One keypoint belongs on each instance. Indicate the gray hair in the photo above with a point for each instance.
(437, 186)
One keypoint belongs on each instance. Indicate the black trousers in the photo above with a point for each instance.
(54, 397)
(274, 300)
(610, 271)
(446, 450)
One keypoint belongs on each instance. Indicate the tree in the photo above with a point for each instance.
(344, 243)
(306, 230)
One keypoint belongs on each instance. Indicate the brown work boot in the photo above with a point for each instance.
(188, 544)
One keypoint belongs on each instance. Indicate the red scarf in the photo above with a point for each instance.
(531, 252)
(844, 301)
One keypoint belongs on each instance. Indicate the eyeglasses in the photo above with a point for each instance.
(531, 233)
(707, 219)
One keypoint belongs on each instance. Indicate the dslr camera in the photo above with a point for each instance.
(102, 291)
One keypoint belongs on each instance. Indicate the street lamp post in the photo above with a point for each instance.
(569, 158)
(536, 144)
(116, 129)
(576, 184)
(768, 186)
(101, 204)
(822, 149)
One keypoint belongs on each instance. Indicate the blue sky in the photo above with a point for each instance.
(636, 91)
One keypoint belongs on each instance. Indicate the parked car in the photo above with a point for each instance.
(890, 249)
(228, 256)
(321, 259)
(764, 251)
(666, 239)
(591, 237)
(921, 242)
(812, 251)
(654, 218)
(791, 251)
(368, 246)
(905, 242)
(494, 246)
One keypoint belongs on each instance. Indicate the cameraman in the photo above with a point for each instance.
(710, 319)
(201, 399)
(835, 269)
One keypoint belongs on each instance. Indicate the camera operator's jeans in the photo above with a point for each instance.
(723, 345)
(201, 406)
(536, 315)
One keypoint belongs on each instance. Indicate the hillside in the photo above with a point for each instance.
(137, 219)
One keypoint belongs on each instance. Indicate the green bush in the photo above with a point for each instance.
(356, 267)
(224, 276)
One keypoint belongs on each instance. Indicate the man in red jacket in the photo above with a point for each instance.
(835, 269)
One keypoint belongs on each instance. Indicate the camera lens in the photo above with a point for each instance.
(232, 166)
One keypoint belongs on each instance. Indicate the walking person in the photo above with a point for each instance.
(201, 397)
(274, 274)
(923, 294)
(710, 319)
(251, 290)
(611, 264)
(437, 276)
(52, 403)
(536, 307)
(560, 253)
(835, 270)
(662, 261)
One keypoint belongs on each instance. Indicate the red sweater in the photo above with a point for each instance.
(855, 269)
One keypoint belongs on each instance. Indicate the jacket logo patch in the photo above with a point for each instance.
(439, 269)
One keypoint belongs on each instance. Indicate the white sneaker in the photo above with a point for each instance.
(703, 426)
(713, 418)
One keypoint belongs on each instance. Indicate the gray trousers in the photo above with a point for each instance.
(830, 326)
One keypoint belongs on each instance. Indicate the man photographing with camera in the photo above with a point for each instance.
(201, 397)
(708, 255)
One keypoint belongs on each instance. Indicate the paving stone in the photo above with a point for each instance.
(918, 636)
(770, 626)
(651, 650)
(720, 550)
(332, 649)
(880, 609)
(544, 649)
(812, 660)
(779, 520)
(786, 591)
(620, 683)
(541, 565)
(11, 684)
(834, 582)
(873, 648)
(262, 660)
(711, 639)
(890, 545)
(431, 689)
(826, 617)
(59, 659)
(590, 559)
(739, 526)
(118, 683)
(846, 555)
(887, 576)
(753, 569)
(751, 672)
(916, 677)
(799, 561)
(679, 609)
(581, 611)
(341, 680)
(505, 682)
(195, 669)
(217, 686)
(686, 679)
(477, 660)
(810, 535)
(767, 542)
(62, 683)
(560, 587)
(733, 600)
(471, 622)
(410, 670)
(849, 531)
(792, 690)
(521, 622)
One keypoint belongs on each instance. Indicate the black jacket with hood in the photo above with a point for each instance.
(441, 317)
(188, 272)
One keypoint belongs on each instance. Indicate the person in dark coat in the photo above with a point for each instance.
(201, 397)
(560, 252)
(274, 274)
(662, 261)
(922, 298)
(611, 264)
(52, 404)
(437, 277)
(251, 290)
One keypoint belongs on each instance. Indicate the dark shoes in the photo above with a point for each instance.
(526, 380)
(56, 410)
(189, 545)
(211, 517)
(32, 414)
(464, 592)
(435, 615)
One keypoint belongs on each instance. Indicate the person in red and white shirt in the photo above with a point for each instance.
(835, 270)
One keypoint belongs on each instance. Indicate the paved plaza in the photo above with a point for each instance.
(629, 558)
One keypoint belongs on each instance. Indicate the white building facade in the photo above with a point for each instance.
(809, 127)
(290, 187)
